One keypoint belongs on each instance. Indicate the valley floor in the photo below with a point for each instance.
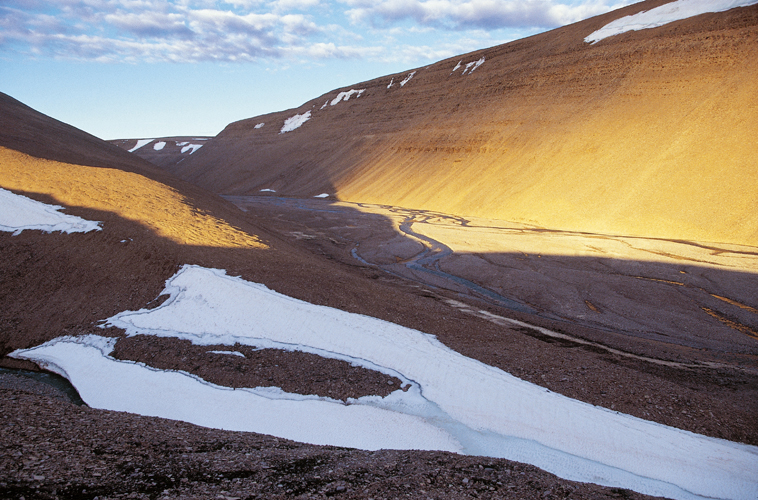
(661, 330)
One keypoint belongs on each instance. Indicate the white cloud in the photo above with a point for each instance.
(152, 31)
(332, 51)
(288, 5)
(412, 31)
(150, 24)
(488, 14)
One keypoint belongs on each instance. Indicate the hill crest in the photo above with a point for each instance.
(645, 133)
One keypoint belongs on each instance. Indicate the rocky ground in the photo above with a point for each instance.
(53, 449)
(295, 372)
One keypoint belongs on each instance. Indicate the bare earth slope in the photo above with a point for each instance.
(25, 130)
(58, 284)
(650, 133)
(64, 284)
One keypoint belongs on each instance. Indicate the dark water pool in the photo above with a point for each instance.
(56, 381)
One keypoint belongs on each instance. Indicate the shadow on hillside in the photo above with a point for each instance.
(66, 284)
(656, 299)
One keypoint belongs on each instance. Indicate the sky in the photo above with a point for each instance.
(159, 68)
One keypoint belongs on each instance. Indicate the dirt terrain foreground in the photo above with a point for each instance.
(57, 284)
(565, 323)
(53, 449)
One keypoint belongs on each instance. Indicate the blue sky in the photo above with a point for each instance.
(152, 68)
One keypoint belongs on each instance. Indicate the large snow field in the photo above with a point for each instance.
(133, 387)
(19, 212)
(451, 402)
(666, 13)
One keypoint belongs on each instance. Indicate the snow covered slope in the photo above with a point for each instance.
(648, 132)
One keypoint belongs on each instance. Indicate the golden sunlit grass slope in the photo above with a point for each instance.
(649, 133)
(127, 194)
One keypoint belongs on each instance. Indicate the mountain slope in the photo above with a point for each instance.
(28, 131)
(152, 224)
(647, 133)
(164, 152)
(66, 284)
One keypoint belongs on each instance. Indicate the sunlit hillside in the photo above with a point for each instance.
(129, 195)
(649, 132)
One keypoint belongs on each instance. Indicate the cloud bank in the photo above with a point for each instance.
(483, 14)
(188, 31)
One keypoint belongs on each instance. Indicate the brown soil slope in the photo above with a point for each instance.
(650, 133)
(152, 223)
(51, 285)
(65, 284)
(28, 131)
(57, 284)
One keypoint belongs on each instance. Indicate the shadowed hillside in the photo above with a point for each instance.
(28, 131)
(650, 133)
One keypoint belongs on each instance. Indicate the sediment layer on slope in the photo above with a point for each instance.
(646, 133)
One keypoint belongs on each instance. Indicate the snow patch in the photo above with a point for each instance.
(456, 67)
(322, 195)
(452, 403)
(107, 383)
(294, 122)
(267, 190)
(472, 65)
(159, 145)
(140, 143)
(407, 78)
(346, 96)
(182, 143)
(233, 353)
(18, 213)
(392, 80)
(193, 147)
(259, 125)
(667, 13)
